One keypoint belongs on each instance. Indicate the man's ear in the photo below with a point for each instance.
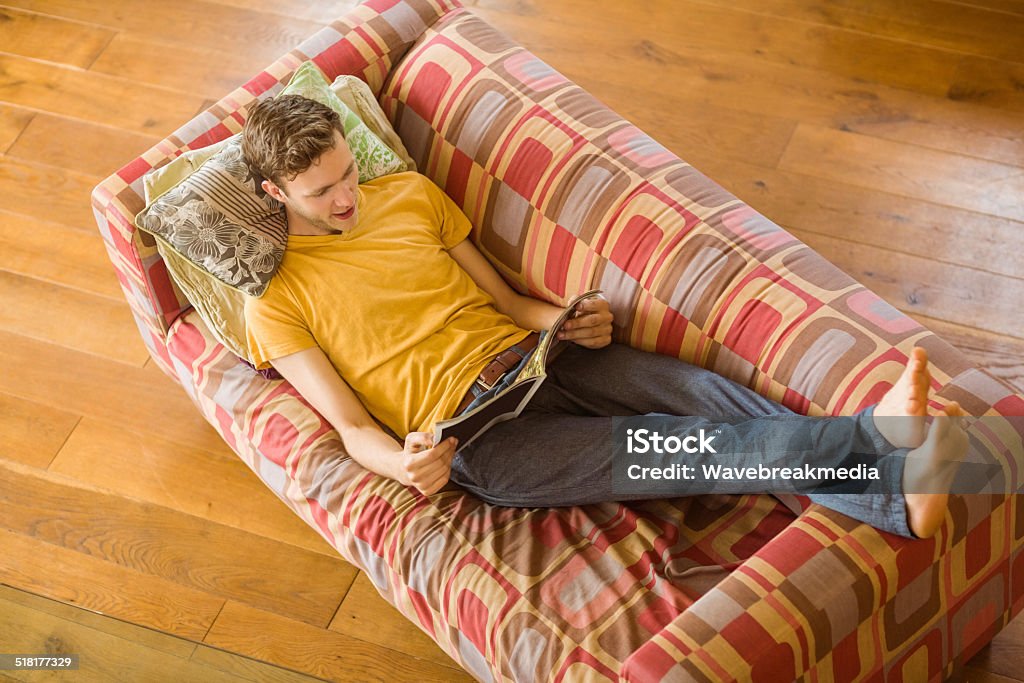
(273, 190)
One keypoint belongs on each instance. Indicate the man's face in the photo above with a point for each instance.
(322, 199)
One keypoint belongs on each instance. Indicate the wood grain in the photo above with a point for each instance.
(214, 486)
(93, 97)
(112, 650)
(324, 11)
(12, 121)
(874, 217)
(47, 193)
(950, 26)
(32, 433)
(907, 170)
(68, 317)
(31, 35)
(751, 84)
(272, 638)
(182, 67)
(92, 386)
(722, 30)
(189, 22)
(174, 546)
(990, 82)
(97, 585)
(55, 253)
(78, 145)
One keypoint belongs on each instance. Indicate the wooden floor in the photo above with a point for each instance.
(888, 135)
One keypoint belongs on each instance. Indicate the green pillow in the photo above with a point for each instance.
(373, 157)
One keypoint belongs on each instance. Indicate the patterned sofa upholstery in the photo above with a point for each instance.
(566, 195)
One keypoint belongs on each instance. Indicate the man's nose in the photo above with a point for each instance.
(343, 198)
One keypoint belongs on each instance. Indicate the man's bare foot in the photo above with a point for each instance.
(907, 401)
(929, 471)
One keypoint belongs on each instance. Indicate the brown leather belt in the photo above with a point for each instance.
(497, 368)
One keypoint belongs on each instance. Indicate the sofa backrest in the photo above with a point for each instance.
(566, 195)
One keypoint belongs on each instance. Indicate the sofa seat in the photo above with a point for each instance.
(591, 583)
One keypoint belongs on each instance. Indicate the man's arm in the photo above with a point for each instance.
(592, 327)
(416, 463)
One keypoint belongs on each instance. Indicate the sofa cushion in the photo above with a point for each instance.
(222, 220)
(373, 157)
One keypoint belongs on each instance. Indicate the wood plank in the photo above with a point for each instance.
(31, 433)
(184, 67)
(215, 486)
(276, 639)
(918, 286)
(79, 146)
(365, 614)
(70, 318)
(322, 11)
(724, 31)
(192, 552)
(92, 386)
(95, 97)
(976, 675)
(689, 128)
(47, 193)
(78, 586)
(56, 253)
(12, 121)
(32, 35)
(753, 85)
(126, 654)
(989, 82)
(243, 667)
(881, 219)
(247, 668)
(907, 170)
(933, 23)
(191, 22)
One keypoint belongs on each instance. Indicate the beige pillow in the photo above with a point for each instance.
(358, 97)
(221, 307)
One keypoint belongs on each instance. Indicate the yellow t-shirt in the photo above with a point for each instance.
(403, 324)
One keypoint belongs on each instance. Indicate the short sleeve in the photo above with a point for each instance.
(453, 223)
(274, 328)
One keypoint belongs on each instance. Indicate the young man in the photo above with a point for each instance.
(383, 307)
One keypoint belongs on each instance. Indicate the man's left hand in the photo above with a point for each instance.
(592, 326)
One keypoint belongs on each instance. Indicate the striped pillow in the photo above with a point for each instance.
(221, 219)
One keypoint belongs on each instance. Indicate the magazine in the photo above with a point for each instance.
(510, 402)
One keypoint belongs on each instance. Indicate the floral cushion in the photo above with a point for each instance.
(220, 219)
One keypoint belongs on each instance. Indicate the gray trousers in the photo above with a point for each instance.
(559, 452)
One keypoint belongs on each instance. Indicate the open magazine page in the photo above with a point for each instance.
(510, 402)
(538, 362)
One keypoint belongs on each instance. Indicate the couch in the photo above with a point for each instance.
(565, 195)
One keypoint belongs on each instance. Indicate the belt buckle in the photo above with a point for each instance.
(490, 385)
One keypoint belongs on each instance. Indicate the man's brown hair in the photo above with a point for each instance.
(284, 135)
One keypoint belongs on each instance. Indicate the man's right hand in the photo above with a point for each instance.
(424, 465)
